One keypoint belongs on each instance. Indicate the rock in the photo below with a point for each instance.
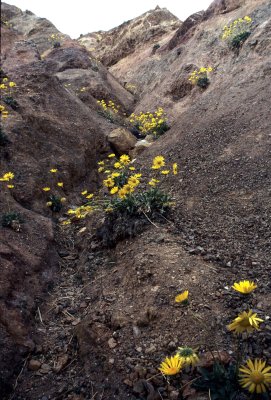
(122, 140)
(174, 395)
(112, 343)
(34, 365)
(45, 368)
(61, 362)
(207, 359)
(140, 146)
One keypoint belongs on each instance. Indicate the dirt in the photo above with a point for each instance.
(91, 316)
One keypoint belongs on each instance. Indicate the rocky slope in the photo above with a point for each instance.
(67, 304)
(114, 45)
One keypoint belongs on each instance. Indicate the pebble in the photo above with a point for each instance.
(112, 343)
(34, 365)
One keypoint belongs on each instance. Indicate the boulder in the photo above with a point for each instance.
(122, 140)
(140, 146)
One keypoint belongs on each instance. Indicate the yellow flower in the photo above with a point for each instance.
(100, 169)
(53, 170)
(244, 287)
(71, 211)
(84, 192)
(118, 165)
(255, 376)
(6, 79)
(109, 182)
(89, 196)
(182, 297)
(188, 355)
(122, 193)
(60, 184)
(8, 176)
(133, 181)
(101, 163)
(66, 222)
(124, 159)
(132, 168)
(245, 322)
(153, 182)
(49, 203)
(114, 190)
(10, 186)
(63, 199)
(112, 155)
(171, 365)
(115, 175)
(175, 168)
(128, 188)
(165, 172)
(158, 162)
(46, 189)
(12, 84)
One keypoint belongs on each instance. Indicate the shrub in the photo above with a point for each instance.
(12, 220)
(108, 110)
(10, 101)
(150, 123)
(3, 138)
(55, 39)
(237, 32)
(200, 78)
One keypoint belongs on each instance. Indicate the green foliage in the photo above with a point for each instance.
(3, 138)
(221, 381)
(237, 32)
(12, 220)
(239, 39)
(203, 82)
(150, 202)
(10, 101)
(55, 203)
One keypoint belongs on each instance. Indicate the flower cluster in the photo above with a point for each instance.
(255, 375)
(199, 77)
(237, 32)
(150, 123)
(54, 199)
(130, 87)
(108, 110)
(55, 39)
(7, 177)
(7, 89)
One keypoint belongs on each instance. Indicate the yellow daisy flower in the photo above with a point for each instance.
(53, 170)
(114, 190)
(8, 176)
(60, 184)
(188, 355)
(244, 287)
(255, 376)
(46, 189)
(10, 186)
(84, 192)
(175, 168)
(171, 365)
(124, 159)
(89, 196)
(182, 297)
(245, 322)
(112, 155)
(165, 172)
(158, 162)
(109, 182)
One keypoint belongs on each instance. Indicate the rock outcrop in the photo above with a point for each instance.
(112, 46)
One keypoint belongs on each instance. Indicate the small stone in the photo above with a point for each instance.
(136, 331)
(34, 365)
(174, 395)
(45, 368)
(112, 343)
(128, 382)
(111, 361)
(139, 349)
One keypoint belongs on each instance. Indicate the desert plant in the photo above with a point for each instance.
(12, 220)
(237, 32)
(56, 39)
(150, 123)
(200, 78)
(10, 101)
(108, 110)
(221, 381)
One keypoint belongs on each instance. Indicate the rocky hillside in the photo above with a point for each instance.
(87, 311)
(112, 46)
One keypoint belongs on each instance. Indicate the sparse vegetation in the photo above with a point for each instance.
(108, 110)
(200, 78)
(237, 32)
(148, 123)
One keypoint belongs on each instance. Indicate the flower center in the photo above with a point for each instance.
(173, 370)
(257, 377)
(245, 323)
